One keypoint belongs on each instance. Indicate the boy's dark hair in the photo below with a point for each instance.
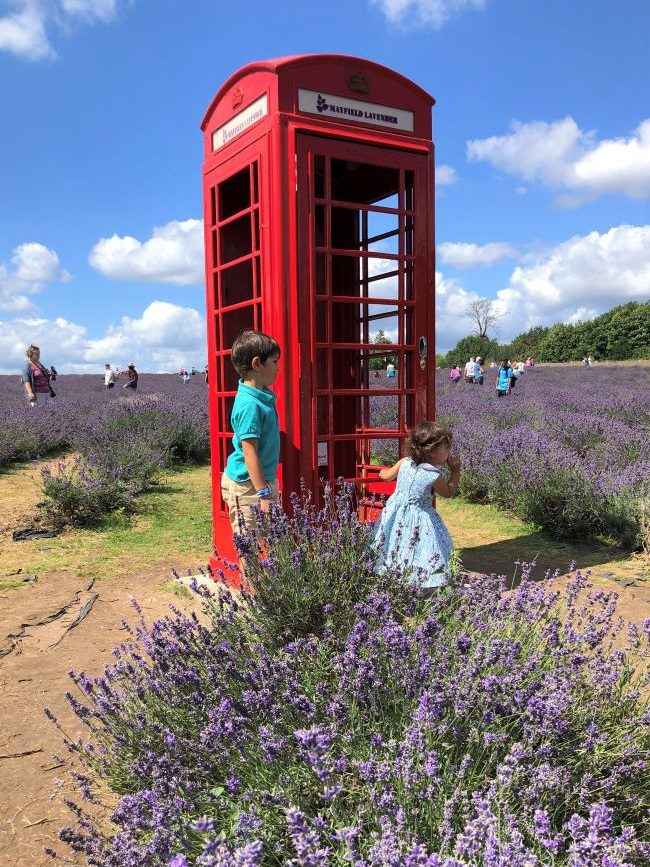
(249, 344)
(424, 438)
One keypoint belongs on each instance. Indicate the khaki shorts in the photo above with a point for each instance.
(240, 497)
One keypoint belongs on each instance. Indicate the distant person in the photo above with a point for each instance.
(181, 372)
(521, 367)
(376, 374)
(492, 365)
(504, 378)
(53, 372)
(36, 378)
(249, 480)
(585, 362)
(513, 377)
(454, 373)
(110, 377)
(469, 371)
(390, 370)
(193, 371)
(410, 534)
(186, 377)
(590, 360)
(517, 370)
(478, 371)
(205, 374)
(529, 362)
(132, 373)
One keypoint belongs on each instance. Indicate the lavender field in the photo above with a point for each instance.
(567, 450)
(337, 718)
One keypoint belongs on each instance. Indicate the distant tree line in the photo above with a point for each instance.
(619, 334)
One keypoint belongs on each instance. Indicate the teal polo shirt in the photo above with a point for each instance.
(254, 416)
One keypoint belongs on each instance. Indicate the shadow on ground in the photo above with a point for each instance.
(548, 555)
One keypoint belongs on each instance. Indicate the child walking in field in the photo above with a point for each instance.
(410, 533)
(249, 479)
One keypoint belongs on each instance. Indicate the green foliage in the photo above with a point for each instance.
(472, 345)
(379, 360)
(619, 334)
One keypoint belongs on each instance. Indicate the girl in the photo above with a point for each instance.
(504, 378)
(454, 373)
(410, 533)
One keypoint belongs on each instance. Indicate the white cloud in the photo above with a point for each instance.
(445, 175)
(91, 10)
(571, 282)
(174, 254)
(465, 255)
(424, 13)
(24, 32)
(163, 338)
(562, 156)
(32, 265)
(578, 279)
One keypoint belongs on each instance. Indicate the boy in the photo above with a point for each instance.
(249, 478)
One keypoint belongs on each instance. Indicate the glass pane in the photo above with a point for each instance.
(321, 368)
(345, 229)
(409, 186)
(321, 274)
(382, 233)
(384, 411)
(231, 377)
(234, 194)
(322, 415)
(256, 186)
(237, 283)
(382, 285)
(235, 321)
(346, 275)
(319, 226)
(346, 413)
(384, 452)
(364, 183)
(235, 239)
(321, 322)
(319, 177)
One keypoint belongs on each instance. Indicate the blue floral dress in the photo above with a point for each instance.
(410, 533)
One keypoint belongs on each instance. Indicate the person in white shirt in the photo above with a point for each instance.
(109, 377)
(469, 371)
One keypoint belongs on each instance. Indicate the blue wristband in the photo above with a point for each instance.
(264, 493)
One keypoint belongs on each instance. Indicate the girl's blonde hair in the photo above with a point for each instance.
(31, 350)
(424, 439)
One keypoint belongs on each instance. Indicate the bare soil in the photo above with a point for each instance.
(64, 621)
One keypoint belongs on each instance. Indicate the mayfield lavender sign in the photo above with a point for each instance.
(342, 108)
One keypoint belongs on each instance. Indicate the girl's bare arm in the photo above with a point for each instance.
(389, 474)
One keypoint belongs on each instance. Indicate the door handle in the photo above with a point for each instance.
(422, 351)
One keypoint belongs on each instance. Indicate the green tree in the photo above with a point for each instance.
(472, 345)
(379, 359)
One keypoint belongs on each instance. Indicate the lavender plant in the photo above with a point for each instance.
(476, 728)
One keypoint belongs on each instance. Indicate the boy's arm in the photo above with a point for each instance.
(254, 467)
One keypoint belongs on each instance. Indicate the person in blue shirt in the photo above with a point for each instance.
(504, 377)
(249, 480)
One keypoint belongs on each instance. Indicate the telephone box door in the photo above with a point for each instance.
(366, 275)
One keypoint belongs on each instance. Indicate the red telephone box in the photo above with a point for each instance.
(318, 183)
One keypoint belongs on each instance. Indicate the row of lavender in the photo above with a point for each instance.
(337, 719)
(566, 450)
(120, 440)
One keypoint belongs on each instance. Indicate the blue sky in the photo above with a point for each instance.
(542, 132)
